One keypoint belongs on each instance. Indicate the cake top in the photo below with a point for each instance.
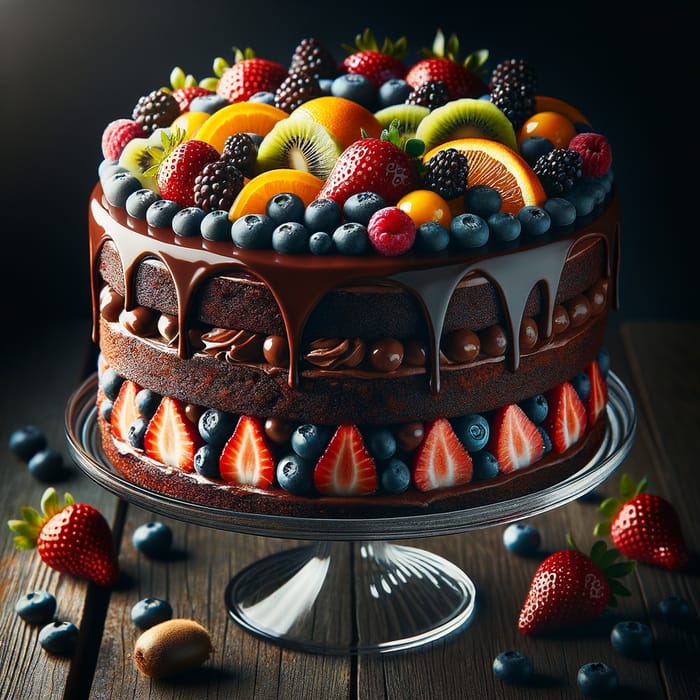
(366, 155)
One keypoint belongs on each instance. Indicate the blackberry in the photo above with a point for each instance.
(513, 87)
(298, 87)
(431, 94)
(514, 71)
(155, 110)
(240, 150)
(217, 186)
(314, 59)
(446, 173)
(558, 170)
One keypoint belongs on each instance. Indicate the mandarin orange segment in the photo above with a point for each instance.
(253, 198)
(552, 125)
(544, 103)
(426, 205)
(491, 163)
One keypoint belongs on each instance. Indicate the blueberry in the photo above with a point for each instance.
(36, 607)
(393, 92)
(26, 441)
(253, 231)
(323, 215)
(359, 207)
(60, 638)
(632, 639)
(561, 211)
(535, 221)
(432, 237)
(160, 214)
(381, 443)
(603, 359)
(597, 679)
(473, 431)
(150, 611)
(154, 539)
(118, 186)
(216, 426)
(137, 203)
(137, 432)
(264, 96)
(188, 221)
(110, 383)
(285, 206)
(675, 609)
(355, 87)
(351, 239)
(216, 226)
(326, 85)
(512, 667)
(582, 384)
(469, 230)
(105, 409)
(504, 226)
(522, 539)
(532, 147)
(107, 168)
(296, 474)
(290, 237)
(309, 441)
(485, 465)
(535, 408)
(46, 465)
(206, 461)
(482, 200)
(147, 402)
(582, 198)
(596, 188)
(545, 439)
(395, 476)
(320, 243)
(208, 103)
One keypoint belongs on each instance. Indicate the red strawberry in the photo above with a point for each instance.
(73, 538)
(379, 64)
(117, 134)
(124, 411)
(391, 231)
(442, 63)
(598, 396)
(441, 459)
(247, 76)
(178, 170)
(171, 438)
(515, 440)
(566, 420)
(246, 459)
(346, 468)
(644, 526)
(570, 588)
(185, 95)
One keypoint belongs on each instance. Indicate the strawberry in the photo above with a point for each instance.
(247, 76)
(570, 588)
(598, 395)
(379, 64)
(346, 468)
(185, 87)
(442, 63)
(515, 440)
(171, 438)
(246, 458)
(73, 538)
(441, 459)
(566, 421)
(117, 134)
(643, 526)
(124, 411)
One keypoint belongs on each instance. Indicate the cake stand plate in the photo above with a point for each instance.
(351, 591)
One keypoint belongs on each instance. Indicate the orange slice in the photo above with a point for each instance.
(256, 193)
(544, 103)
(251, 117)
(491, 163)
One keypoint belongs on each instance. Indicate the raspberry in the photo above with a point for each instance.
(391, 231)
(594, 151)
(117, 134)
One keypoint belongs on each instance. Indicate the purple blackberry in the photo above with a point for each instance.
(155, 110)
(431, 94)
(514, 71)
(217, 186)
(240, 150)
(558, 170)
(513, 88)
(446, 173)
(314, 59)
(298, 87)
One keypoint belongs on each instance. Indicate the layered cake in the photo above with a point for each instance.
(353, 286)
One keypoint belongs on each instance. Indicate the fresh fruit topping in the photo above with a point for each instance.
(513, 88)
(553, 126)
(154, 539)
(73, 538)
(356, 88)
(559, 170)
(535, 407)
(598, 394)
(425, 205)
(644, 526)
(473, 430)
(185, 88)
(240, 150)
(246, 459)
(446, 173)
(298, 87)
(217, 186)
(190, 123)
(534, 220)
(309, 440)
(59, 638)
(515, 441)
(150, 611)
(597, 679)
(441, 460)
(171, 438)
(247, 76)
(314, 59)
(36, 607)
(406, 117)
(570, 588)
(595, 152)
(124, 411)
(544, 103)
(566, 421)
(395, 476)
(295, 474)
(513, 667)
(431, 94)
(379, 64)
(391, 231)
(156, 109)
(632, 639)
(216, 427)
(469, 231)
(26, 441)
(345, 468)
(117, 134)
(522, 539)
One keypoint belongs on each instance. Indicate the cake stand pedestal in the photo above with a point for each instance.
(352, 591)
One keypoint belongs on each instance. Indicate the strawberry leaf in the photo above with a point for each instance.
(177, 78)
(414, 147)
(24, 543)
(627, 487)
(620, 569)
(50, 503)
(602, 529)
(609, 506)
(220, 66)
(31, 515)
(617, 588)
(23, 528)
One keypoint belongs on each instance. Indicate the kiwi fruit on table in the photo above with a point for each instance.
(408, 117)
(466, 118)
(300, 144)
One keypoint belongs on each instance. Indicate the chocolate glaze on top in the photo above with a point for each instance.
(299, 282)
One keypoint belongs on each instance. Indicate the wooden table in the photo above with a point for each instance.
(657, 360)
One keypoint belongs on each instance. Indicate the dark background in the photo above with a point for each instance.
(68, 68)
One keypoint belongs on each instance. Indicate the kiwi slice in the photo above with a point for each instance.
(300, 144)
(408, 117)
(466, 118)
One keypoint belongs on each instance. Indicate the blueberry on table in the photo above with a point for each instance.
(60, 638)
(36, 607)
(522, 539)
(26, 441)
(150, 611)
(632, 639)
(46, 465)
(512, 667)
(674, 608)
(154, 539)
(597, 679)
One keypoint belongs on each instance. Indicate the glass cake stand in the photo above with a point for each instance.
(351, 591)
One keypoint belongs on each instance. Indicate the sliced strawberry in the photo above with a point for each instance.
(441, 459)
(566, 421)
(346, 467)
(515, 440)
(171, 438)
(124, 411)
(598, 396)
(246, 458)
